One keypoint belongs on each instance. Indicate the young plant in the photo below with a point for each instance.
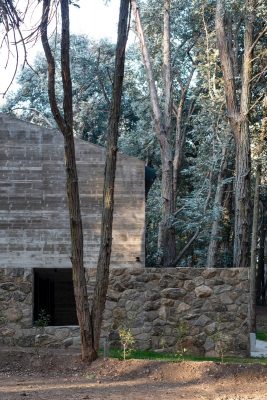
(162, 342)
(42, 321)
(222, 340)
(182, 331)
(127, 340)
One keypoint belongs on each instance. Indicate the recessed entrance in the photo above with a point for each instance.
(54, 296)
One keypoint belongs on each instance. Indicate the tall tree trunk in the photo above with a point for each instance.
(242, 199)
(238, 118)
(166, 241)
(260, 281)
(226, 246)
(253, 260)
(89, 322)
(102, 276)
(168, 244)
(180, 135)
(260, 276)
(215, 229)
(65, 124)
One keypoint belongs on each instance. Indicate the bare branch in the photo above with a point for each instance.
(148, 66)
(51, 66)
(260, 35)
(100, 80)
(184, 250)
(35, 111)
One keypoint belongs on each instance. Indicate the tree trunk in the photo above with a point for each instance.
(260, 277)
(167, 242)
(179, 145)
(78, 271)
(253, 261)
(72, 185)
(166, 238)
(65, 124)
(214, 240)
(89, 322)
(238, 119)
(242, 199)
(180, 135)
(102, 276)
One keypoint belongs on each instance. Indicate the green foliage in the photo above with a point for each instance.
(170, 357)
(204, 117)
(92, 65)
(43, 319)
(222, 340)
(261, 336)
(182, 330)
(127, 341)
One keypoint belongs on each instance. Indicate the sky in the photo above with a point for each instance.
(93, 18)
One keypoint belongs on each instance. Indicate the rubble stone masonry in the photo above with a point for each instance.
(203, 310)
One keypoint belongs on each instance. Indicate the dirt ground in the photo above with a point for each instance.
(58, 375)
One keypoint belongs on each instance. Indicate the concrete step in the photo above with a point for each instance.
(260, 350)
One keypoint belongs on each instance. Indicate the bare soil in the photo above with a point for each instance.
(60, 375)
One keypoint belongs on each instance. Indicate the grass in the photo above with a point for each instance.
(170, 357)
(261, 336)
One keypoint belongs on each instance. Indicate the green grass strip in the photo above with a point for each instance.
(261, 336)
(170, 357)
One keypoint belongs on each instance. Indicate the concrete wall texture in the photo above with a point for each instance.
(34, 224)
(212, 304)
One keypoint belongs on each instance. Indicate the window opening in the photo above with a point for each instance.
(54, 296)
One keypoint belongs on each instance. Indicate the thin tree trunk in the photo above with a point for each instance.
(253, 261)
(260, 282)
(102, 275)
(89, 322)
(261, 289)
(180, 135)
(166, 240)
(226, 246)
(65, 124)
(214, 240)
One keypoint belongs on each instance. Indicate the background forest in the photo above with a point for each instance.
(194, 108)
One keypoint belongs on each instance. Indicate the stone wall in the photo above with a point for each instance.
(154, 303)
(34, 223)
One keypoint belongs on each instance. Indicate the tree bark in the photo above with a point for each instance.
(102, 275)
(253, 261)
(162, 123)
(65, 124)
(260, 276)
(180, 135)
(214, 241)
(89, 320)
(238, 118)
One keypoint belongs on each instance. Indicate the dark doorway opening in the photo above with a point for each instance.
(54, 296)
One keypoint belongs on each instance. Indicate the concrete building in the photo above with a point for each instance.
(34, 223)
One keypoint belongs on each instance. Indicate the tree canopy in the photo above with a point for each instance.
(203, 148)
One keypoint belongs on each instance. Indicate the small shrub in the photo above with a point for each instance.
(127, 340)
(182, 331)
(43, 319)
(222, 340)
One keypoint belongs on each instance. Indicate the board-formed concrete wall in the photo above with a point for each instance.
(34, 224)
(212, 304)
